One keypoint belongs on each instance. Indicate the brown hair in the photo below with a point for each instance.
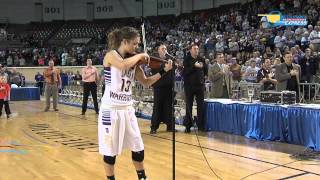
(218, 54)
(285, 53)
(116, 36)
(193, 44)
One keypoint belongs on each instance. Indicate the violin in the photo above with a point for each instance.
(154, 63)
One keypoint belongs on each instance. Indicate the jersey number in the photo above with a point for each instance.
(125, 85)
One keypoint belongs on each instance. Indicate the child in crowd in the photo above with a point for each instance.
(4, 95)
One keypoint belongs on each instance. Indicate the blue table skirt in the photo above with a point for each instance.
(24, 94)
(295, 125)
(304, 127)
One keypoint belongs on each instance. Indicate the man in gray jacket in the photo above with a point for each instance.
(288, 75)
(220, 77)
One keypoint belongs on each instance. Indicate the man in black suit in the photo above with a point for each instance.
(309, 67)
(162, 96)
(194, 74)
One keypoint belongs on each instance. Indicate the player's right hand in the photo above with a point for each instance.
(144, 58)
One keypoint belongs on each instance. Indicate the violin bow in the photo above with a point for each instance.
(143, 31)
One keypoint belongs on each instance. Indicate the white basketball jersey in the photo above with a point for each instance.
(118, 85)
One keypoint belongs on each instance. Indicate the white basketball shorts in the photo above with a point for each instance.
(118, 130)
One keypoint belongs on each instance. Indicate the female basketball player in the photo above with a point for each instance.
(118, 127)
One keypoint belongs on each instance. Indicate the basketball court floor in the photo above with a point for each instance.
(37, 145)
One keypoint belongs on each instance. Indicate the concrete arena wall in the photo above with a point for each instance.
(25, 11)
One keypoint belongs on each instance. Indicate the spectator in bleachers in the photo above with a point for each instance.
(266, 76)
(282, 6)
(315, 39)
(220, 44)
(64, 58)
(297, 5)
(8, 72)
(15, 77)
(3, 72)
(77, 78)
(251, 72)
(309, 67)
(290, 42)
(9, 61)
(286, 49)
(280, 40)
(258, 45)
(16, 61)
(278, 54)
(268, 53)
(264, 22)
(70, 77)
(309, 30)
(298, 34)
(227, 58)
(22, 61)
(288, 33)
(64, 79)
(296, 56)
(41, 61)
(244, 67)
(233, 46)
(256, 57)
(39, 80)
(276, 62)
(235, 69)
(299, 53)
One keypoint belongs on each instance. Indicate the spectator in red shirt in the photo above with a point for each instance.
(4, 96)
(41, 61)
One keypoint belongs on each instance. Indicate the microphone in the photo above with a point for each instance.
(170, 56)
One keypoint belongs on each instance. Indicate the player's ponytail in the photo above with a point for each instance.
(118, 35)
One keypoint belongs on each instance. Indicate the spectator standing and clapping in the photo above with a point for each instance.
(39, 79)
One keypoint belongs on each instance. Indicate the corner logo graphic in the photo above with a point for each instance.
(275, 19)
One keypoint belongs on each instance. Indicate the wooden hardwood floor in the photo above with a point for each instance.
(63, 146)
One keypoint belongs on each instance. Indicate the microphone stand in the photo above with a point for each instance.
(173, 123)
(172, 103)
